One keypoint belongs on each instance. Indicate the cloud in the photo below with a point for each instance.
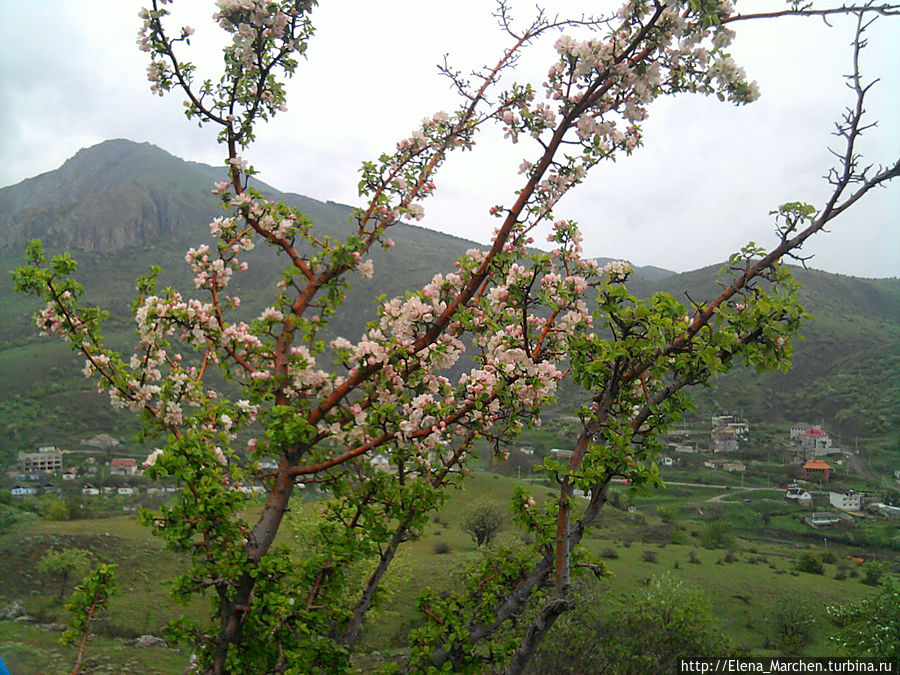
(701, 187)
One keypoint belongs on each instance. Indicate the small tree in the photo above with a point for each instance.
(717, 534)
(88, 602)
(482, 521)
(790, 627)
(65, 564)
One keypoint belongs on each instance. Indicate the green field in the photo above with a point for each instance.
(747, 581)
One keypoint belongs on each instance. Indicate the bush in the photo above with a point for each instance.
(645, 632)
(610, 553)
(649, 557)
(692, 558)
(441, 547)
(809, 562)
(829, 557)
(872, 574)
(667, 514)
(730, 557)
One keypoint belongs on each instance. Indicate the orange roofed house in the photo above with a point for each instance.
(816, 469)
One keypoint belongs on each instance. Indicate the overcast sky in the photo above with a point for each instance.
(700, 188)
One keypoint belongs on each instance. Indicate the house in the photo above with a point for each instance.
(526, 450)
(822, 519)
(380, 463)
(800, 455)
(267, 465)
(816, 469)
(49, 489)
(23, 491)
(723, 440)
(666, 461)
(123, 467)
(70, 474)
(846, 500)
(715, 463)
(798, 429)
(885, 510)
(125, 490)
(799, 495)
(561, 454)
(734, 466)
(47, 460)
(816, 439)
(679, 447)
(88, 489)
(252, 489)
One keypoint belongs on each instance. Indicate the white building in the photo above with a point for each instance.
(799, 496)
(846, 500)
(816, 439)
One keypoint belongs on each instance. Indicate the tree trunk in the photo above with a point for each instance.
(258, 543)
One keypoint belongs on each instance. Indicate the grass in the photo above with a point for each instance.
(745, 593)
(29, 650)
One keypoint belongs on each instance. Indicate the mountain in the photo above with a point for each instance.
(121, 206)
(846, 366)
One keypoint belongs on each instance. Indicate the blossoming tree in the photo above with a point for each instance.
(515, 322)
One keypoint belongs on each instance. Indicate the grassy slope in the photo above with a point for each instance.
(745, 593)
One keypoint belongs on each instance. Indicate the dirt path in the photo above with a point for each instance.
(860, 466)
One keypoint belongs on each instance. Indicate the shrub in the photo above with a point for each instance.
(692, 558)
(829, 557)
(730, 557)
(809, 562)
(441, 547)
(609, 553)
(667, 514)
(872, 574)
(646, 632)
(649, 557)
(717, 535)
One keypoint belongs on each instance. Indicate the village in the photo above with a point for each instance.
(807, 465)
(814, 470)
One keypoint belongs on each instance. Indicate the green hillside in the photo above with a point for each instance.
(120, 207)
